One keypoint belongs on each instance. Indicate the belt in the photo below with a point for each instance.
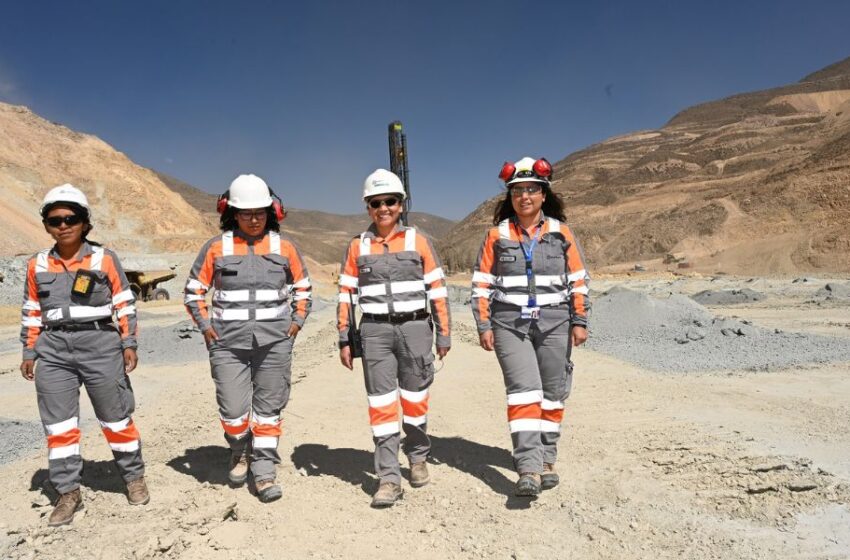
(397, 317)
(101, 325)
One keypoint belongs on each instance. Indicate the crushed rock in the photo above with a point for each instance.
(727, 297)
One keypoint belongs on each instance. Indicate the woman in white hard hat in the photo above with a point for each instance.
(261, 298)
(72, 291)
(395, 276)
(530, 303)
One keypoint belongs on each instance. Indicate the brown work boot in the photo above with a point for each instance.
(238, 472)
(137, 492)
(66, 506)
(527, 485)
(388, 493)
(268, 491)
(549, 478)
(419, 474)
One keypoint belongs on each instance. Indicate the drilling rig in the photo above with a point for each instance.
(398, 163)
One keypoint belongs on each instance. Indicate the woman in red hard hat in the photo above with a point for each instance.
(530, 302)
(72, 292)
(260, 299)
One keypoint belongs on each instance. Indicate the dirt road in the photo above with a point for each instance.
(735, 465)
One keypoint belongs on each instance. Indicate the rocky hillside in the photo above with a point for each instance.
(757, 183)
(132, 208)
(321, 236)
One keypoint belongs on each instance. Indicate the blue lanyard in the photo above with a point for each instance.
(529, 256)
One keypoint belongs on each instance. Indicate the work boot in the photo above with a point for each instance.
(419, 474)
(549, 479)
(527, 485)
(137, 492)
(238, 473)
(268, 491)
(66, 506)
(388, 493)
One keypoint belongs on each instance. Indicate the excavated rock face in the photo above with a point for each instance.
(132, 209)
(754, 183)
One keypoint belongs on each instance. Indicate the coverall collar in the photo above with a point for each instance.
(249, 238)
(372, 231)
(85, 250)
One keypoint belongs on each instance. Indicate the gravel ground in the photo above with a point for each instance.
(727, 297)
(18, 438)
(676, 334)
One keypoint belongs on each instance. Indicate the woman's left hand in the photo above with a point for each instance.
(293, 330)
(442, 351)
(579, 335)
(130, 359)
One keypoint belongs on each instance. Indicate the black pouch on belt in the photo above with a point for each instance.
(83, 283)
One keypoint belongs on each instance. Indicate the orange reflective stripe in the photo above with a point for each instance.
(529, 411)
(128, 434)
(235, 430)
(70, 437)
(415, 409)
(553, 415)
(383, 414)
(266, 430)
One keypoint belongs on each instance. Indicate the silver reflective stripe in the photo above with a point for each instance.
(437, 293)
(96, 258)
(194, 284)
(580, 290)
(270, 295)
(512, 281)
(31, 305)
(550, 299)
(378, 401)
(89, 312)
(373, 290)
(405, 306)
(264, 442)
(274, 243)
(434, 275)
(54, 314)
(365, 245)
(549, 280)
(264, 314)
(348, 281)
(61, 427)
(192, 297)
(554, 225)
(227, 244)
(577, 275)
(348, 298)
(231, 295)
(126, 295)
(375, 308)
(526, 397)
(385, 429)
(483, 277)
(505, 229)
(41, 261)
(302, 295)
(521, 300)
(524, 425)
(414, 396)
(124, 311)
(410, 239)
(230, 314)
(407, 286)
(303, 283)
(482, 292)
(31, 321)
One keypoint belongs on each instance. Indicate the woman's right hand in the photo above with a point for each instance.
(28, 369)
(345, 357)
(209, 336)
(485, 339)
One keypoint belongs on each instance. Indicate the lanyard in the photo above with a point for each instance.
(529, 256)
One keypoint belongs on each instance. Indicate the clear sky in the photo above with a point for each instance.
(301, 93)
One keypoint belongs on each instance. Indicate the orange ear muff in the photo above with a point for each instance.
(542, 168)
(221, 204)
(279, 210)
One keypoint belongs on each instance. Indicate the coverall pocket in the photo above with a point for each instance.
(127, 399)
(425, 365)
(568, 382)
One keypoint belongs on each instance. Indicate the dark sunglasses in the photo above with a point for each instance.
(388, 202)
(56, 221)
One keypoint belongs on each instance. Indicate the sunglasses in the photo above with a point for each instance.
(528, 189)
(388, 202)
(56, 221)
(251, 214)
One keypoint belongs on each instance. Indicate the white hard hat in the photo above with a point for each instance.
(530, 169)
(382, 181)
(249, 191)
(65, 193)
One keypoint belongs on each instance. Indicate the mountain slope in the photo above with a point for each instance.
(754, 183)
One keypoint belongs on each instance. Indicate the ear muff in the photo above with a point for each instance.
(221, 204)
(542, 168)
(279, 210)
(507, 172)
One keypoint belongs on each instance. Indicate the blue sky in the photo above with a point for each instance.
(301, 93)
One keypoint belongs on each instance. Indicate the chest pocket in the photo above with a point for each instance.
(372, 269)
(549, 256)
(274, 272)
(509, 258)
(407, 266)
(52, 292)
(229, 273)
(101, 293)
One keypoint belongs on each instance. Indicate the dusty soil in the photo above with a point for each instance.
(723, 465)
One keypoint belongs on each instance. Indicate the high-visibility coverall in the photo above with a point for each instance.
(259, 288)
(395, 281)
(74, 341)
(533, 352)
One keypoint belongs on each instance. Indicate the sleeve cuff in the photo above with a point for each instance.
(444, 341)
(29, 354)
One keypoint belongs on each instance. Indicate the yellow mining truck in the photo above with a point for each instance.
(144, 284)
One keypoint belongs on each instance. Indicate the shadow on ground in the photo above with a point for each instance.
(206, 464)
(101, 476)
(355, 466)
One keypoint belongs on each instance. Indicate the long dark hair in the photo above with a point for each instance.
(228, 222)
(553, 206)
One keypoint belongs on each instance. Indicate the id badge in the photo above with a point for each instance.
(530, 313)
(83, 283)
